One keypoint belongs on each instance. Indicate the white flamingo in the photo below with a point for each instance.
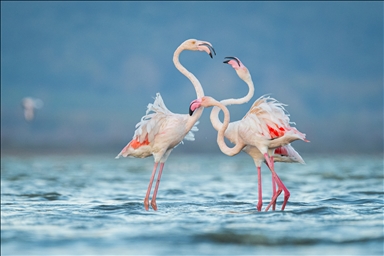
(263, 129)
(29, 105)
(159, 132)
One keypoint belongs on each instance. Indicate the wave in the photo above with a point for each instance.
(228, 237)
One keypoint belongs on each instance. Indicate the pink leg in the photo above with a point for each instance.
(287, 194)
(153, 201)
(273, 193)
(146, 199)
(279, 183)
(273, 188)
(260, 203)
(276, 194)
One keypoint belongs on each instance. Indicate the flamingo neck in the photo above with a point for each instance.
(220, 135)
(198, 88)
(196, 84)
(216, 123)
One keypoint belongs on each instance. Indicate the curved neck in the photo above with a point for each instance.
(198, 88)
(246, 98)
(220, 135)
(216, 123)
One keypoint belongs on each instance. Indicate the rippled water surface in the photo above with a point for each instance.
(206, 205)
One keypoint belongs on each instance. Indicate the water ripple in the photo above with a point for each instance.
(336, 207)
(51, 196)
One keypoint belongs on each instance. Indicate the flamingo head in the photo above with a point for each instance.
(205, 101)
(195, 104)
(237, 65)
(198, 45)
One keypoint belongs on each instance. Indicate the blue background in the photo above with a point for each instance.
(96, 66)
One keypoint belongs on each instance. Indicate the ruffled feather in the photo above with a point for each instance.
(150, 123)
(268, 116)
(190, 135)
(156, 115)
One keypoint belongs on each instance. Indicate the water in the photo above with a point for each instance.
(77, 205)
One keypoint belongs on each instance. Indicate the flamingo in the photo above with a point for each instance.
(160, 130)
(285, 153)
(265, 130)
(29, 105)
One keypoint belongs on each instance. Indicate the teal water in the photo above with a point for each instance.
(92, 205)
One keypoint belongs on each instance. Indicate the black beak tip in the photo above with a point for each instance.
(231, 58)
(211, 49)
(190, 112)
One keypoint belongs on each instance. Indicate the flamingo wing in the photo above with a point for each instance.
(158, 120)
(190, 135)
(287, 154)
(268, 118)
(147, 129)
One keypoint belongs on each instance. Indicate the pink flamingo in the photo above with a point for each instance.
(265, 131)
(159, 132)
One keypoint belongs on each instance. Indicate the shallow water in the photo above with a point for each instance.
(206, 205)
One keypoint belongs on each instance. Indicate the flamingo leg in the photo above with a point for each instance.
(153, 201)
(281, 187)
(260, 203)
(146, 199)
(279, 183)
(273, 188)
(274, 193)
(287, 194)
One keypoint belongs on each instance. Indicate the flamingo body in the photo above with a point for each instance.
(159, 130)
(265, 131)
(284, 153)
(267, 121)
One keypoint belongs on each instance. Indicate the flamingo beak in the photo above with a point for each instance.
(210, 49)
(231, 58)
(193, 106)
(190, 111)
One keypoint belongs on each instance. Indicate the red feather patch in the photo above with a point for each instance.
(136, 144)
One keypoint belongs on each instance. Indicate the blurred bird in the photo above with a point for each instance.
(29, 105)
(264, 131)
(160, 130)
